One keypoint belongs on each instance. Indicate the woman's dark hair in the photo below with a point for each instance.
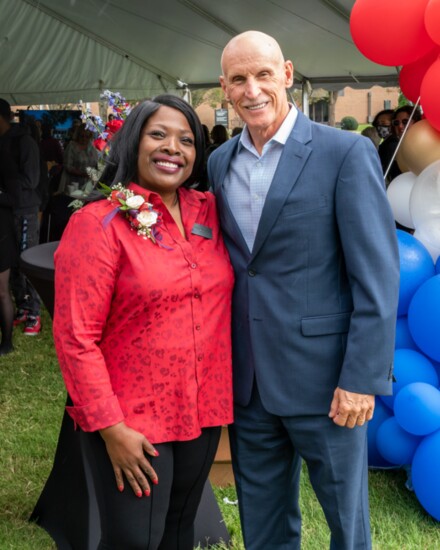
(408, 109)
(122, 162)
(206, 135)
(389, 112)
(236, 131)
(219, 134)
(81, 130)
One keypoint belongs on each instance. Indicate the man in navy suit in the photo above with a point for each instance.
(312, 241)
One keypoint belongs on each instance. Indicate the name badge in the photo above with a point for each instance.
(202, 231)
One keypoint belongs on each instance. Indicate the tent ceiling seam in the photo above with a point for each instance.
(310, 22)
(336, 8)
(390, 78)
(209, 17)
(168, 27)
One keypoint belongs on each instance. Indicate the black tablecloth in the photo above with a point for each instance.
(37, 264)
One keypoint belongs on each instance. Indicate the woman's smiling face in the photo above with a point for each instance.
(166, 151)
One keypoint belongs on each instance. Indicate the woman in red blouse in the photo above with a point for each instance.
(142, 330)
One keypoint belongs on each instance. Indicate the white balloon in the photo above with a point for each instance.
(428, 233)
(398, 193)
(424, 202)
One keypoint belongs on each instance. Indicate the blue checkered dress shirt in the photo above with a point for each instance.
(250, 175)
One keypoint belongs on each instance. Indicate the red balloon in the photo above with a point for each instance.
(390, 32)
(432, 20)
(429, 96)
(411, 75)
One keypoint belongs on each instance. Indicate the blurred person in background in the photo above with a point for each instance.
(400, 119)
(79, 155)
(22, 174)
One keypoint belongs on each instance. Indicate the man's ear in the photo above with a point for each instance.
(289, 72)
(223, 85)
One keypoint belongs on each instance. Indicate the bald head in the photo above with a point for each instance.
(251, 41)
(255, 77)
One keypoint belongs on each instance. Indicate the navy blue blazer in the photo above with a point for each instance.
(314, 305)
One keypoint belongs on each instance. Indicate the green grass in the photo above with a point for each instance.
(31, 406)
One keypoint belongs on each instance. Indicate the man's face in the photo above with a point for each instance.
(400, 121)
(255, 79)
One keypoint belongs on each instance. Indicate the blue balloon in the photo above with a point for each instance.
(416, 266)
(395, 444)
(425, 473)
(436, 365)
(424, 317)
(437, 265)
(375, 459)
(403, 335)
(410, 366)
(417, 408)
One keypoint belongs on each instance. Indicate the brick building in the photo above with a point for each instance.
(361, 104)
(364, 104)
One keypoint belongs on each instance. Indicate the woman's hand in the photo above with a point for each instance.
(126, 448)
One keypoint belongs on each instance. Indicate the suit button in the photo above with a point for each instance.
(252, 273)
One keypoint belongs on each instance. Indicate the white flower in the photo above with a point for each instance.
(135, 202)
(129, 203)
(93, 174)
(147, 218)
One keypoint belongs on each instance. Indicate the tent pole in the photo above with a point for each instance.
(305, 97)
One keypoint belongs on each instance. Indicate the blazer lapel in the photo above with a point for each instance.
(290, 166)
(227, 219)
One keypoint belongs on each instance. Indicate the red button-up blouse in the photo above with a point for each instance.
(142, 331)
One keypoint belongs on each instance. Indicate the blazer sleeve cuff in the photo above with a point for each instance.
(373, 385)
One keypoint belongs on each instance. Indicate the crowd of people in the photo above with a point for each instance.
(34, 171)
(179, 310)
(386, 131)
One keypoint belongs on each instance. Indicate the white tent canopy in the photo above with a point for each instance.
(60, 51)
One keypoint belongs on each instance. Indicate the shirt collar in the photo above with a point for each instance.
(190, 196)
(281, 135)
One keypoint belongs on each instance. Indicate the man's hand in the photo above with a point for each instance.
(351, 409)
(126, 448)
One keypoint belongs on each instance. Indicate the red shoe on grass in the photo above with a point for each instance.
(32, 325)
(20, 317)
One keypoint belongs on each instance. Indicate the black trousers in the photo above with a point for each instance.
(27, 234)
(165, 519)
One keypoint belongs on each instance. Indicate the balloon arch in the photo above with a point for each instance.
(405, 430)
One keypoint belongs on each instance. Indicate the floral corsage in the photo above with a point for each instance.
(137, 210)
